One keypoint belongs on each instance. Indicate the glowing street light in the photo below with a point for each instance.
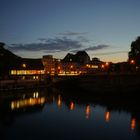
(71, 66)
(106, 64)
(132, 62)
(102, 66)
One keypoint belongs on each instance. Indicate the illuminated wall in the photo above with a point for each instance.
(26, 72)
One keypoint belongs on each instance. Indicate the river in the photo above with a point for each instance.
(52, 114)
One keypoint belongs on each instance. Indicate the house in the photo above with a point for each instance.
(12, 66)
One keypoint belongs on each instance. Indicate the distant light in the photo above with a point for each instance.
(23, 77)
(71, 66)
(24, 65)
(102, 66)
(87, 65)
(132, 62)
(12, 105)
(94, 66)
(107, 64)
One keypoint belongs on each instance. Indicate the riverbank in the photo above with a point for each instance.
(102, 85)
(7, 85)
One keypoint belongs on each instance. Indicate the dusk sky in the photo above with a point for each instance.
(103, 28)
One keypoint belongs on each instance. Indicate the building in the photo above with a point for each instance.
(28, 69)
(51, 65)
(81, 58)
(13, 66)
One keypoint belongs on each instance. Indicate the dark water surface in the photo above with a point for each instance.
(52, 115)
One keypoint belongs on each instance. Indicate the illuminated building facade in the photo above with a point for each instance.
(71, 64)
(28, 69)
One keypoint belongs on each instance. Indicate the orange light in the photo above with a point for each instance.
(107, 64)
(132, 62)
(102, 66)
(87, 111)
(87, 65)
(27, 102)
(59, 101)
(71, 106)
(107, 116)
(58, 67)
(133, 124)
(71, 66)
(24, 65)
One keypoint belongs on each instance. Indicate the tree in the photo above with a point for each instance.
(134, 54)
(2, 44)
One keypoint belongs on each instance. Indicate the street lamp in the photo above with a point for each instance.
(132, 62)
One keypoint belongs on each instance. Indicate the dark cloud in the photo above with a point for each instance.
(94, 48)
(99, 47)
(55, 45)
(68, 33)
(41, 39)
(83, 39)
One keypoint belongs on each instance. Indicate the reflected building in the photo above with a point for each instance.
(35, 102)
(27, 102)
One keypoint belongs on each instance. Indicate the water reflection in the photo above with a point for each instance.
(59, 101)
(14, 104)
(107, 116)
(133, 123)
(72, 105)
(27, 102)
(87, 111)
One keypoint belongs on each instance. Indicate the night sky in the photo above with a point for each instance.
(104, 28)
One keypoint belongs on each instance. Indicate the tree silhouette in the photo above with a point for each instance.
(134, 54)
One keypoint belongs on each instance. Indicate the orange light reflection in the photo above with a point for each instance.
(87, 111)
(27, 102)
(107, 116)
(133, 124)
(72, 106)
(59, 101)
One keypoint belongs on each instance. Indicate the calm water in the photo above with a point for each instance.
(53, 115)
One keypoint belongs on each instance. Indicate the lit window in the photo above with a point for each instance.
(24, 65)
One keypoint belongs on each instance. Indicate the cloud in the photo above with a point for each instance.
(50, 45)
(83, 39)
(57, 44)
(99, 47)
(42, 39)
(68, 33)
(78, 35)
(93, 48)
